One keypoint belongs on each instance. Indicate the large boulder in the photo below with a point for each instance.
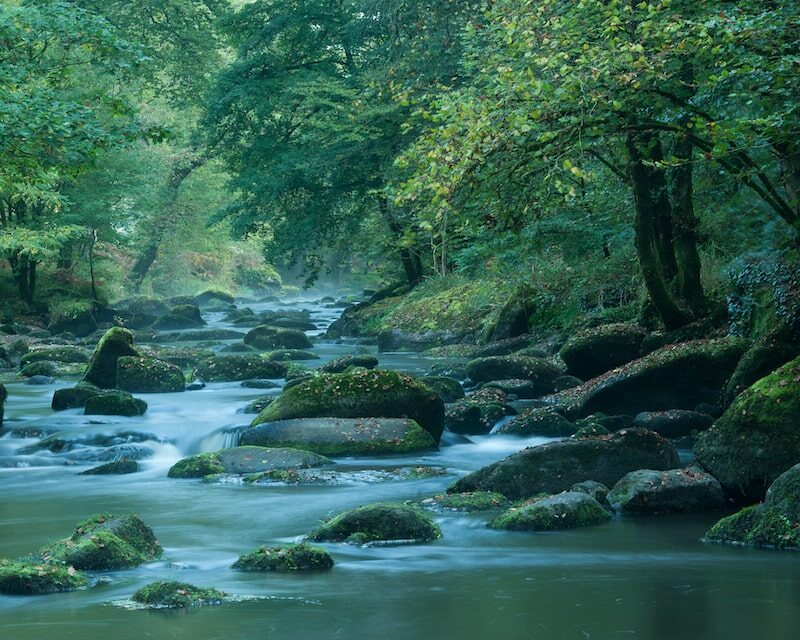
(148, 375)
(775, 523)
(74, 397)
(228, 368)
(449, 389)
(378, 523)
(594, 351)
(114, 403)
(673, 491)
(213, 297)
(104, 543)
(245, 460)
(515, 316)
(266, 337)
(359, 394)
(102, 370)
(675, 377)
(675, 423)
(554, 467)
(758, 436)
(568, 510)
(540, 371)
(474, 416)
(145, 306)
(539, 421)
(289, 559)
(183, 316)
(342, 436)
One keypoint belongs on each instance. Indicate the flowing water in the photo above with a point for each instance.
(631, 578)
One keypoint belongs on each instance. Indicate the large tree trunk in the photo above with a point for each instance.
(412, 263)
(652, 241)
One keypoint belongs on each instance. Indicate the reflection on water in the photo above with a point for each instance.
(648, 578)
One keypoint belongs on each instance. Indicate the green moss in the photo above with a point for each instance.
(594, 351)
(539, 421)
(177, 595)
(55, 354)
(340, 365)
(30, 578)
(148, 375)
(449, 389)
(267, 337)
(39, 368)
(378, 522)
(203, 464)
(564, 511)
(226, 368)
(592, 430)
(297, 557)
(102, 369)
(466, 502)
(258, 405)
(115, 403)
(540, 371)
(289, 355)
(75, 396)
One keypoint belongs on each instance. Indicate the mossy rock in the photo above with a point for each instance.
(39, 368)
(145, 306)
(465, 502)
(675, 423)
(758, 436)
(591, 430)
(470, 417)
(80, 324)
(449, 389)
(675, 377)
(569, 510)
(524, 389)
(539, 421)
(291, 355)
(266, 337)
(115, 403)
(258, 405)
(245, 460)
(775, 523)
(342, 436)
(515, 315)
(55, 354)
(378, 523)
(32, 578)
(594, 351)
(148, 375)
(540, 371)
(288, 559)
(74, 397)
(116, 467)
(102, 370)
(204, 298)
(555, 466)
(104, 543)
(292, 323)
(177, 595)
(648, 492)
(340, 365)
(359, 394)
(230, 368)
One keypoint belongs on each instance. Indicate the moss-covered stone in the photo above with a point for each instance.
(674, 491)
(79, 323)
(758, 436)
(39, 368)
(471, 417)
(540, 371)
(209, 296)
(342, 436)
(197, 466)
(115, 403)
(524, 389)
(775, 523)
(359, 394)
(246, 459)
(117, 467)
(568, 510)
(289, 559)
(340, 365)
(182, 316)
(258, 405)
(102, 370)
(449, 389)
(556, 466)
(267, 337)
(76, 396)
(465, 502)
(227, 368)
(591, 430)
(594, 351)
(515, 315)
(32, 578)
(539, 421)
(104, 543)
(148, 375)
(177, 595)
(55, 354)
(289, 355)
(675, 377)
(675, 423)
(145, 306)
(378, 522)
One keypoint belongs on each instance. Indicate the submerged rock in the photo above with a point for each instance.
(568, 510)
(758, 436)
(775, 523)
(378, 522)
(296, 557)
(465, 502)
(674, 491)
(541, 372)
(230, 368)
(594, 351)
(33, 578)
(102, 369)
(115, 403)
(359, 394)
(148, 375)
(342, 436)
(267, 337)
(117, 467)
(177, 595)
(245, 460)
(556, 466)
(104, 543)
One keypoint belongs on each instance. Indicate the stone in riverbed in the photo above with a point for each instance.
(230, 368)
(594, 351)
(177, 595)
(55, 354)
(675, 423)
(340, 365)
(104, 543)
(556, 466)
(568, 510)
(470, 417)
(674, 491)
(102, 369)
(382, 522)
(541, 372)
(359, 394)
(266, 338)
(539, 421)
(245, 460)
(342, 436)
(114, 403)
(288, 559)
(33, 578)
(148, 375)
(117, 467)
(449, 389)
(76, 396)
(182, 316)
(39, 368)
(465, 502)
